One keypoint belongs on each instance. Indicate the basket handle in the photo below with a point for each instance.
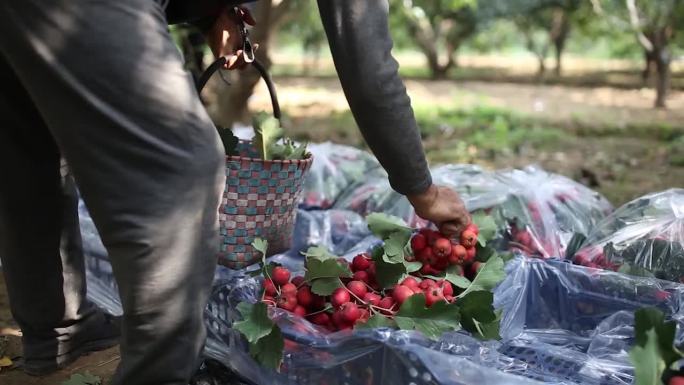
(220, 62)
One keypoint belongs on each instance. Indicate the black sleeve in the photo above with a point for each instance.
(358, 33)
(198, 12)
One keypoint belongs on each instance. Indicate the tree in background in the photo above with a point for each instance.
(438, 25)
(231, 102)
(546, 24)
(654, 23)
(304, 29)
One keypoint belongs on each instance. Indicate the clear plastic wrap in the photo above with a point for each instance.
(336, 168)
(644, 237)
(536, 212)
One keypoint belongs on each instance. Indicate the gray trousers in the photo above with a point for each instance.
(101, 84)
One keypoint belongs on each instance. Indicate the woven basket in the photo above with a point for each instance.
(260, 201)
(261, 196)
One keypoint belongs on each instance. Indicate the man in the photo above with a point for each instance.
(101, 84)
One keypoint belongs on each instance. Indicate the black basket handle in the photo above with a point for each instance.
(220, 62)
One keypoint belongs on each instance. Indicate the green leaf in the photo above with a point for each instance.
(651, 318)
(490, 274)
(268, 351)
(484, 253)
(478, 315)
(327, 268)
(318, 252)
(649, 365)
(267, 131)
(83, 379)
(383, 225)
(490, 330)
(325, 286)
(388, 274)
(432, 322)
(260, 245)
(324, 275)
(453, 275)
(255, 324)
(486, 226)
(574, 245)
(377, 321)
(396, 243)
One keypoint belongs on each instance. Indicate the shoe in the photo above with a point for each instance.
(103, 333)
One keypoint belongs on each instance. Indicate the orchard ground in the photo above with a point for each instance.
(595, 124)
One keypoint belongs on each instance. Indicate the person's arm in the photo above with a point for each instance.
(361, 45)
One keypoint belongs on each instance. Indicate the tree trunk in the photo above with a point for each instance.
(649, 61)
(662, 64)
(232, 101)
(560, 31)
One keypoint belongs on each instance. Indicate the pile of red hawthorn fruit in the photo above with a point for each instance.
(361, 297)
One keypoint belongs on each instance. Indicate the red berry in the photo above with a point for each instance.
(372, 299)
(386, 303)
(371, 271)
(442, 247)
(298, 281)
(288, 288)
(434, 294)
(300, 310)
(662, 295)
(401, 293)
(350, 312)
(441, 264)
(410, 282)
(362, 275)
(269, 300)
(446, 287)
(287, 302)
(304, 296)
(418, 243)
(677, 380)
(365, 314)
(468, 239)
(269, 287)
(431, 236)
(524, 238)
(318, 302)
(470, 255)
(338, 320)
(357, 288)
(339, 297)
(360, 262)
(458, 254)
(426, 284)
(473, 227)
(280, 275)
(320, 319)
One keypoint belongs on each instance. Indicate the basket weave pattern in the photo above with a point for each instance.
(260, 200)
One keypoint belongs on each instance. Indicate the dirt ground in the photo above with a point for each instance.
(626, 165)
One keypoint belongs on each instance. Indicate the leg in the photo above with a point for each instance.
(111, 86)
(40, 242)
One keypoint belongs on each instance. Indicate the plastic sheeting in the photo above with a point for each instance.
(537, 212)
(644, 237)
(562, 324)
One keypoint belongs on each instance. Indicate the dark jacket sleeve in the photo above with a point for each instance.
(358, 33)
(197, 11)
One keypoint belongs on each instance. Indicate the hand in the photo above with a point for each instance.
(224, 37)
(443, 207)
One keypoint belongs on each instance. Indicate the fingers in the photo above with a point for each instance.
(236, 61)
(454, 227)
